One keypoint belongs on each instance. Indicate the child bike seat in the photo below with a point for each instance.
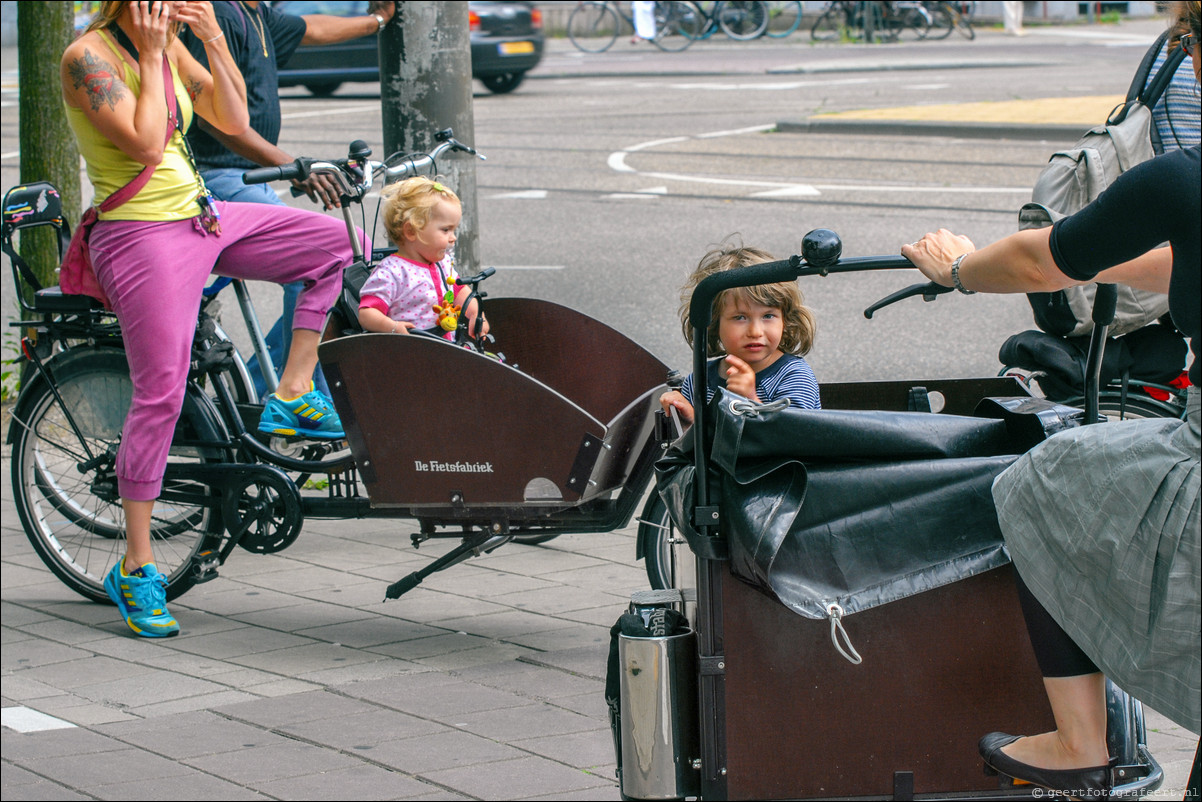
(31, 206)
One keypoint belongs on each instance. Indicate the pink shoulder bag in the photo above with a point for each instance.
(76, 276)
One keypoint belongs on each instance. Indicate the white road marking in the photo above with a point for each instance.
(629, 195)
(784, 192)
(340, 111)
(759, 87)
(524, 194)
(617, 163)
(23, 719)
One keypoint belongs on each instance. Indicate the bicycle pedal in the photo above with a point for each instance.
(205, 565)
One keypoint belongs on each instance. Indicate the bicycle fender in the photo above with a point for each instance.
(32, 388)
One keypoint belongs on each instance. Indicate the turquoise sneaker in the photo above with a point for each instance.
(312, 415)
(142, 599)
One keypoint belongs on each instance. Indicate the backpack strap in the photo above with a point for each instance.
(1151, 96)
(1140, 79)
(1148, 94)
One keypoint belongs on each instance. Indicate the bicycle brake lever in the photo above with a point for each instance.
(929, 292)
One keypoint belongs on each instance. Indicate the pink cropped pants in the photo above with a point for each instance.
(153, 274)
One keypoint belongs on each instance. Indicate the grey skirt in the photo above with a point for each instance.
(1102, 523)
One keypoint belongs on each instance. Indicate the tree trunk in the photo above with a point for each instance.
(426, 86)
(48, 150)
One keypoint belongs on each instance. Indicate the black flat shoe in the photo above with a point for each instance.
(1091, 783)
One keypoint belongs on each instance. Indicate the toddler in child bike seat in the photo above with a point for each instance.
(758, 335)
(415, 287)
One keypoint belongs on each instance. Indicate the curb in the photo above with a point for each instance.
(970, 130)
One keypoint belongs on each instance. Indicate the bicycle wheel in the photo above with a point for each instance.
(829, 27)
(73, 517)
(1137, 407)
(677, 24)
(742, 19)
(942, 21)
(966, 8)
(665, 556)
(593, 27)
(910, 24)
(784, 17)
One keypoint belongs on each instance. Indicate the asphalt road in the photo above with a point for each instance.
(609, 175)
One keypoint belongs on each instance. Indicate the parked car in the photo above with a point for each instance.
(506, 40)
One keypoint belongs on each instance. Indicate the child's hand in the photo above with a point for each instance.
(673, 399)
(740, 378)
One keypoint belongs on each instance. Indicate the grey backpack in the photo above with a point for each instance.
(1075, 177)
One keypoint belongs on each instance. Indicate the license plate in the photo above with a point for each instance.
(515, 48)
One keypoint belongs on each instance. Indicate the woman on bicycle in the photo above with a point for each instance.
(1102, 522)
(153, 252)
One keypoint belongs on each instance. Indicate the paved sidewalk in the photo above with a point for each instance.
(293, 680)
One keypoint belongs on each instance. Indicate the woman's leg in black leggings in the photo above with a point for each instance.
(1057, 654)
(1076, 693)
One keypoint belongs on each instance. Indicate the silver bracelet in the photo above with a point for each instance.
(956, 276)
(380, 22)
(214, 39)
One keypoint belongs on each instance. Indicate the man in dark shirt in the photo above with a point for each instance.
(262, 40)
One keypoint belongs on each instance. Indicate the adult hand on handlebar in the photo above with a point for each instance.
(935, 253)
(321, 189)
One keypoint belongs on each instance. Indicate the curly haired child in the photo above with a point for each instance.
(758, 336)
(414, 289)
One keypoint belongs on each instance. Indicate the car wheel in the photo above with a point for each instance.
(503, 83)
(324, 90)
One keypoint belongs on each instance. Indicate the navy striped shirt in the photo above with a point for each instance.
(788, 377)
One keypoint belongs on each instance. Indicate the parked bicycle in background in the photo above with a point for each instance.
(784, 17)
(848, 20)
(594, 26)
(948, 16)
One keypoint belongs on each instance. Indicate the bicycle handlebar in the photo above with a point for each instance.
(356, 172)
(281, 172)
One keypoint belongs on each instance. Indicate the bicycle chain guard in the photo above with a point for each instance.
(262, 510)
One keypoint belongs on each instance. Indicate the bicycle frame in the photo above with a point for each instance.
(761, 670)
(242, 484)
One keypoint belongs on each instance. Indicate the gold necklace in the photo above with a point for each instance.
(257, 24)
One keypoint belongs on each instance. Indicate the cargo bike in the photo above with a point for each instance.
(516, 438)
(850, 621)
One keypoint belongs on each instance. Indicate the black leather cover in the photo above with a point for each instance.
(857, 508)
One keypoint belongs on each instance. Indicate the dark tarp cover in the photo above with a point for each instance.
(857, 508)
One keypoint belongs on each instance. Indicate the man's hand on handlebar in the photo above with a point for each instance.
(321, 188)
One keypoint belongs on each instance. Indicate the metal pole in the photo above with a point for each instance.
(426, 86)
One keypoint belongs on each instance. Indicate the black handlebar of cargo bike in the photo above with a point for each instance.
(821, 250)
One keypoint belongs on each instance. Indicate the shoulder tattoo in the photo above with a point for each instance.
(98, 78)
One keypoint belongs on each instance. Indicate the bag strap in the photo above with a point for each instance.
(131, 189)
(1148, 94)
(1163, 77)
(1140, 79)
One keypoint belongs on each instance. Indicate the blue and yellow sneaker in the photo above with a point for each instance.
(142, 599)
(311, 415)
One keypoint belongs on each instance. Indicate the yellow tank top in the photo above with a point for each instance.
(171, 192)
